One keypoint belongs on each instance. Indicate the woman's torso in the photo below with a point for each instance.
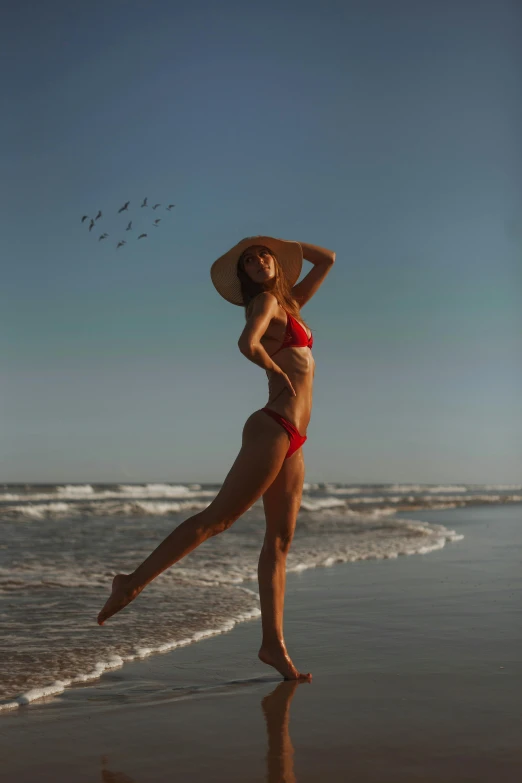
(298, 363)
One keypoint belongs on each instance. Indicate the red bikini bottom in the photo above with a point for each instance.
(296, 439)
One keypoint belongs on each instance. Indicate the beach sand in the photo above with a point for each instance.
(417, 671)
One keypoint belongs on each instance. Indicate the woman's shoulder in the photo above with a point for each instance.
(266, 296)
(263, 300)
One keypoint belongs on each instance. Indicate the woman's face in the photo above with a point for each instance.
(259, 264)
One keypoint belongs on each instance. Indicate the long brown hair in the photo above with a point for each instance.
(278, 286)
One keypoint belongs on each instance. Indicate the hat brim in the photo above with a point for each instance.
(223, 271)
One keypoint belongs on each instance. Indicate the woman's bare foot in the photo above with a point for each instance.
(122, 594)
(277, 656)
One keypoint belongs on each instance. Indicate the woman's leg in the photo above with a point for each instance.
(263, 450)
(281, 501)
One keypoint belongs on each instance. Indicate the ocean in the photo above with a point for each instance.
(61, 545)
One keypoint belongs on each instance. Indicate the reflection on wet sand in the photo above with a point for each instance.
(108, 776)
(280, 752)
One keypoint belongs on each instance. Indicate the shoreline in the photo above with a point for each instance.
(45, 693)
(416, 672)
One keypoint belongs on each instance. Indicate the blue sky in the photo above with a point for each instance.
(388, 132)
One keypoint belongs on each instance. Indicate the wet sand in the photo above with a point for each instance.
(417, 672)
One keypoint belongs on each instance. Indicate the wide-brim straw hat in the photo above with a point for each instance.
(224, 270)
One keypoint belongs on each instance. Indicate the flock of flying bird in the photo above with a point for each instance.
(125, 208)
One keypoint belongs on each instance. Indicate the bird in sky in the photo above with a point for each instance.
(124, 207)
(156, 206)
(98, 215)
(129, 226)
(103, 236)
(170, 206)
(156, 222)
(91, 224)
(144, 202)
(122, 242)
(84, 218)
(141, 236)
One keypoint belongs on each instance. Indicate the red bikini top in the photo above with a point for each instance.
(295, 335)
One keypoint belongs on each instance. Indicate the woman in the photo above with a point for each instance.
(260, 274)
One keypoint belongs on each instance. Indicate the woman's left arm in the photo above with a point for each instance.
(322, 260)
(317, 255)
